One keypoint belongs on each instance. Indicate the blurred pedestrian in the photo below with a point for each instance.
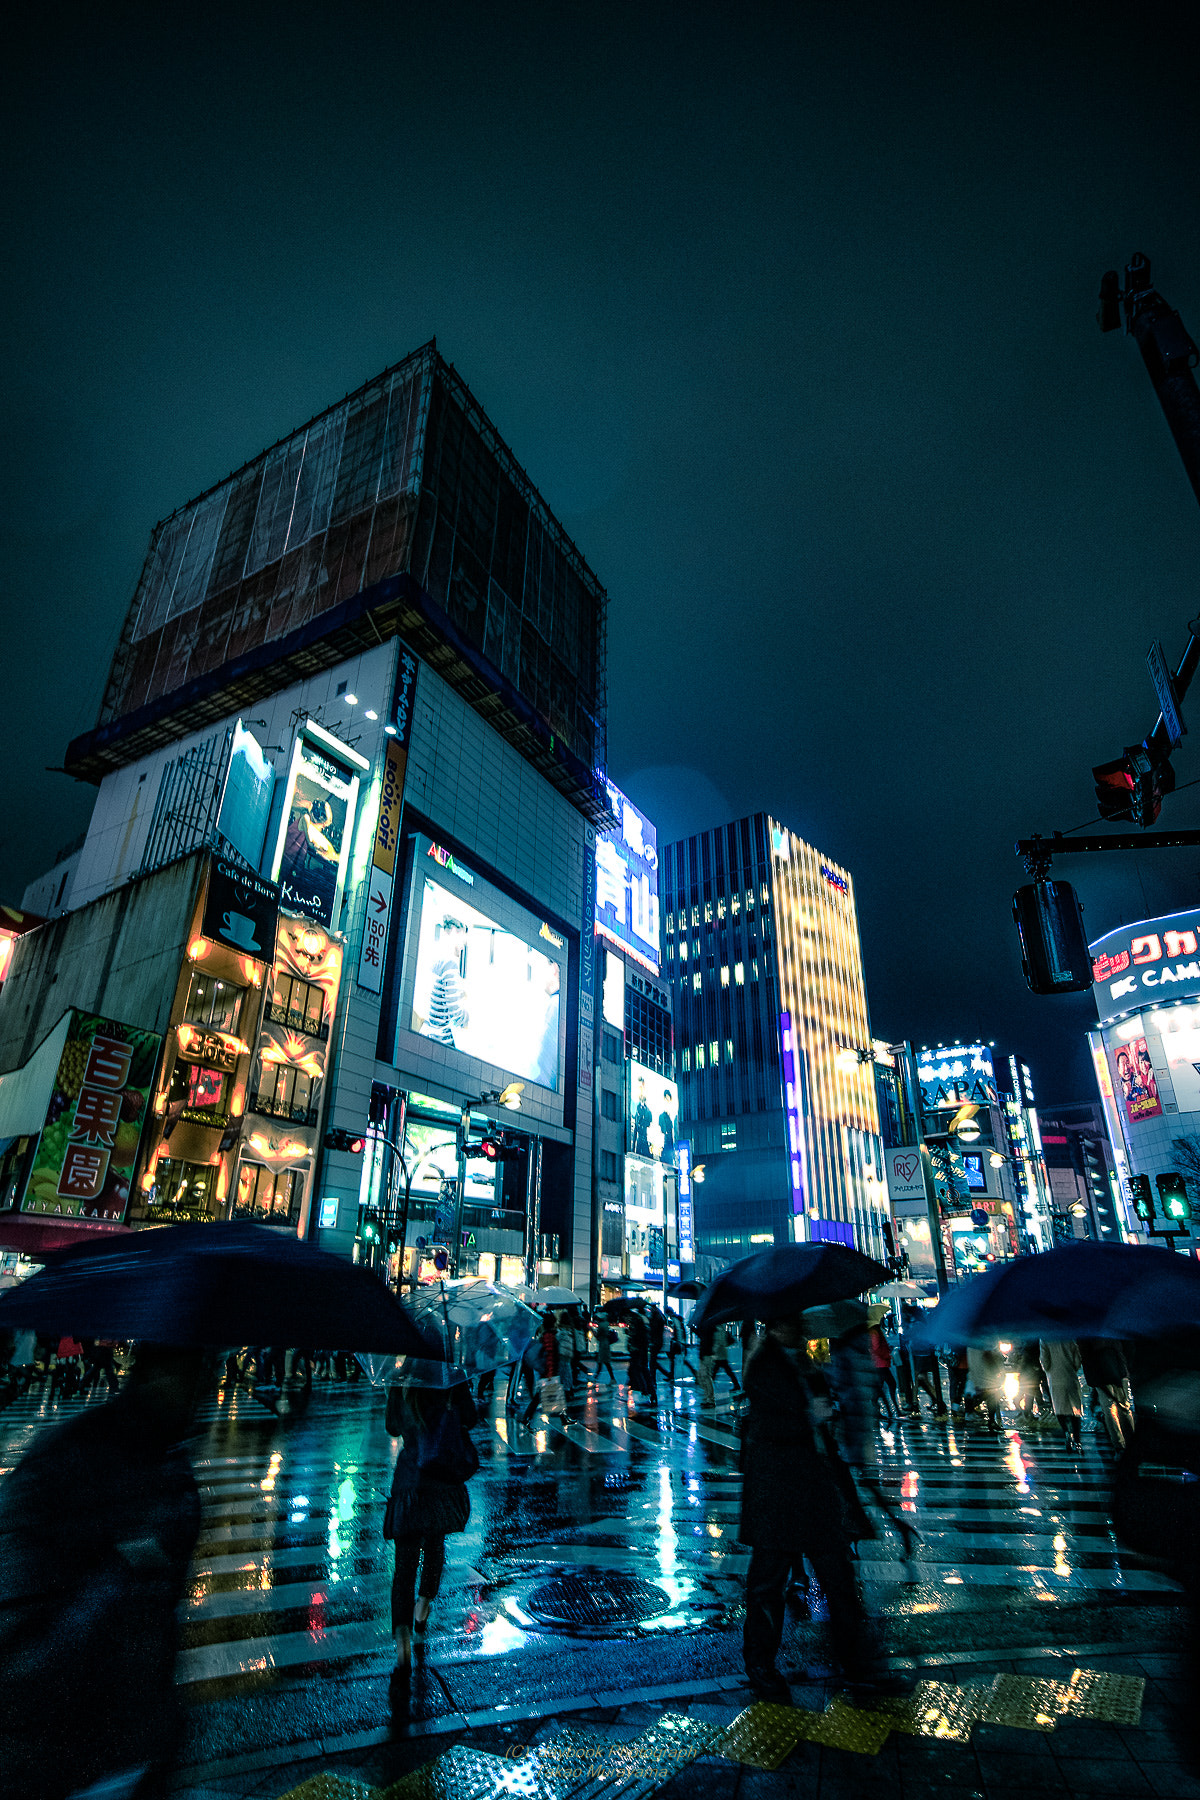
(428, 1500)
(985, 1373)
(1026, 1360)
(638, 1333)
(1062, 1362)
(99, 1361)
(604, 1344)
(67, 1371)
(793, 1509)
(98, 1521)
(22, 1363)
(720, 1356)
(886, 1394)
(565, 1337)
(1105, 1369)
(543, 1365)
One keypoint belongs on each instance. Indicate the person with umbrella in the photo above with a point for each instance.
(1062, 1362)
(793, 1509)
(98, 1522)
(429, 1498)
(1106, 1370)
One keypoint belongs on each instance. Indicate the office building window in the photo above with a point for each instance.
(612, 1047)
(609, 1107)
(685, 1060)
(724, 975)
(739, 974)
(608, 1165)
(696, 982)
(729, 1135)
(699, 1056)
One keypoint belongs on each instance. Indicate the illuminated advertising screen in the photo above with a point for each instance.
(653, 1115)
(627, 883)
(1136, 1080)
(960, 1076)
(246, 801)
(486, 976)
(315, 831)
(89, 1143)
(1156, 960)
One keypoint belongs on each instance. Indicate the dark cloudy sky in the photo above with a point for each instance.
(787, 309)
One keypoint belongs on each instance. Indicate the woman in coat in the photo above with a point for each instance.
(1062, 1362)
(429, 1498)
(794, 1508)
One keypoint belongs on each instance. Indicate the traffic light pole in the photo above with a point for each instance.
(1036, 852)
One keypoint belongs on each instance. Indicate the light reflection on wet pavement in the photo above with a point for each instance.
(286, 1618)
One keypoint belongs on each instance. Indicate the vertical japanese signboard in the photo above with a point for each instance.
(627, 883)
(587, 962)
(84, 1161)
(381, 886)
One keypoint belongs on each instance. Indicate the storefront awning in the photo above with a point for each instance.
(38, 1237)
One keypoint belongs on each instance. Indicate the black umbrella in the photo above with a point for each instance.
(214, 1285)
(777, 1284)
(1075, 1290)
(687, 1290)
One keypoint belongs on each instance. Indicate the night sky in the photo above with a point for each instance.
(789, 312)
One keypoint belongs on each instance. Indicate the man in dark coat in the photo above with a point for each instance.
(98, 1522)
(1105, 1369)
(792, 1508)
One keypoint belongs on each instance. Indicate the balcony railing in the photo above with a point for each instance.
(273, 1108)
(298, 1021)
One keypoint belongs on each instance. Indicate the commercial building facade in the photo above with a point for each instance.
(367, 673)
(764, 964)
(1146, 1054)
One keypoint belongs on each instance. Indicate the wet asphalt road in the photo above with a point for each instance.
(601, 1560)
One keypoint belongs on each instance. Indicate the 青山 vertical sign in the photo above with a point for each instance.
(380, 888)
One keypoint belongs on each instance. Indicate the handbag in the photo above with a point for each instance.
(551, 1397)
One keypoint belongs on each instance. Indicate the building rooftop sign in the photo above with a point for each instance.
(1155, 961)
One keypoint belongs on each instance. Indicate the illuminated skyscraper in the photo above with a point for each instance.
(762, 951)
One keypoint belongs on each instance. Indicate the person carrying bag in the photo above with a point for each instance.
(428, 1500)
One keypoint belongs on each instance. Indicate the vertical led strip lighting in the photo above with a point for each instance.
(791, 1090)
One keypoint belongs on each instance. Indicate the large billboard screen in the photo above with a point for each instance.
(487, 978)
(1156, 960)
(627, 883)
(316, 828)
(653, 1115)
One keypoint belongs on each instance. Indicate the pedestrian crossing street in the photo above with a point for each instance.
(291, 1571)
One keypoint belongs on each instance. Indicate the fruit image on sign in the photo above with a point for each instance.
(84, 1161)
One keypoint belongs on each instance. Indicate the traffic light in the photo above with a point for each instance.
(336, 1139)
(368, 1227)
(1133, 787)
(1143, 1200)
(493, 1149)
(1172, 1191)
(1054, 947)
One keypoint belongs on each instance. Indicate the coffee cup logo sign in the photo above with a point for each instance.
(240, 909)
(1157, 959)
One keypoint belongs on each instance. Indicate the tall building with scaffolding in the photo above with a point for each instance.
(773, 1041)
(350, 764)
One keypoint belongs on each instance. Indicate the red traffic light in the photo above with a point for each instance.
(490, 1148)
(1134, 785)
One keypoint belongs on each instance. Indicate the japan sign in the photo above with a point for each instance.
(84, 1162)
(627, 883)
(1157, 960)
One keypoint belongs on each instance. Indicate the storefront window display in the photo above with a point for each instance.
(202, 1093)
(268, 1196)
(217, 1004)
(182, 1191)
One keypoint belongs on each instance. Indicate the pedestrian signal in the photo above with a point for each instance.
(1172, 1191)
(1139, 1193)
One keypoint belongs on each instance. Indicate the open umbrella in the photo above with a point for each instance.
(550, 1296)
(213, 1285)
(1075, 1290)
(476, 1325)
(903, 1290)
(687, 1290)
(778, 1283)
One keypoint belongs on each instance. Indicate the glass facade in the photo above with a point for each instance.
(760, 935)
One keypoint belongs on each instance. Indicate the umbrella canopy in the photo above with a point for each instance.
(688, 1290)
(549, 1296)
(779, 1283)
(213, 1285)
(903, 1290)
(843, 1316)
(476, 1325)
(1076, 1290)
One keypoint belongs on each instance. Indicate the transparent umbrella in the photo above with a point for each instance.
(476, 1326)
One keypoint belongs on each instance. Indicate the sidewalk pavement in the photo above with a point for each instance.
(1075, 1759)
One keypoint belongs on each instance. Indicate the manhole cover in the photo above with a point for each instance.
(596, 1600)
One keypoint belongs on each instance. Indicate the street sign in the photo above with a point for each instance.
(1164, 687)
